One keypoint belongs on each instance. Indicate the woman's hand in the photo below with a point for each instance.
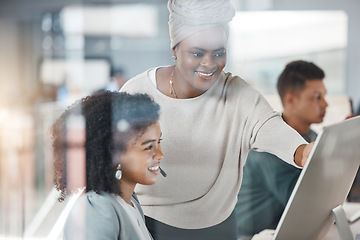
(302, 153)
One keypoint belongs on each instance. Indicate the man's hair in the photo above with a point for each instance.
(295, 75)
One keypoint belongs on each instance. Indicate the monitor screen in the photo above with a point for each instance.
(323, 184)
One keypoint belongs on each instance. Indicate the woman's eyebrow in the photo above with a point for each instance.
(219, 49)
(204, 50)
(198, 48)
(148, 141)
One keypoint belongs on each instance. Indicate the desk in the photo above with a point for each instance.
(333, 233)
(352, 211)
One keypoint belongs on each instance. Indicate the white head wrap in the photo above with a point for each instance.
(190, 16)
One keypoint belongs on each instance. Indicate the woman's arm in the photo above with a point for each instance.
(302, 153)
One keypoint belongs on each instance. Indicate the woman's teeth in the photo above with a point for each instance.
(153, 168)
(205, 74)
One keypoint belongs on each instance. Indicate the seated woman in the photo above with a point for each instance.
(117, 147)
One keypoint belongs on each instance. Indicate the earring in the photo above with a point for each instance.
(118, 173)
(173, 58)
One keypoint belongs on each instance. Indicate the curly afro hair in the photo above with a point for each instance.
(111, 120)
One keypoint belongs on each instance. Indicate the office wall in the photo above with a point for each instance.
(20, 52)
(21, 47)
(352, 8)
(9, 59)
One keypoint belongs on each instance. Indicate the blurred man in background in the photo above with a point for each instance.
(268, 181)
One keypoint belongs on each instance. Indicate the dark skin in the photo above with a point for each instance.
(140, 162)
(100, 148)
(302, 153)
(163, 80)
(200, 59)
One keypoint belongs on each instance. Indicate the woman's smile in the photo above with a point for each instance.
(204, 75)
(154, 169)
(199, 62)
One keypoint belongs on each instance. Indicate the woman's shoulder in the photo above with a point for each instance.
(235, 85)
(93, 214)
(95, 202)
(232, 78)
(138, 82)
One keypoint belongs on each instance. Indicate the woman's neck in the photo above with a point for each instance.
(163, 76)
(127, 191)
(175, 89)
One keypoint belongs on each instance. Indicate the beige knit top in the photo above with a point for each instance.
(206, 140)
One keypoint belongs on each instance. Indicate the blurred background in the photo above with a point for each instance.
(54, 52)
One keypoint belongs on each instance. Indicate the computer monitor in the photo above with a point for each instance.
(323, 184)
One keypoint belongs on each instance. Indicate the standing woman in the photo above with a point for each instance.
(211, 120)
(121, 143)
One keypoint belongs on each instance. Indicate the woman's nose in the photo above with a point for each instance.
(206, 60)
(158, 153)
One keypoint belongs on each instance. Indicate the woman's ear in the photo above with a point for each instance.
(115, 159)
(173, 50)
